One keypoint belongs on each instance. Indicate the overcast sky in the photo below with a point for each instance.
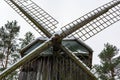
(65, 11)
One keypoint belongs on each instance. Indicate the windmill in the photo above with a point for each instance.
(82, 28)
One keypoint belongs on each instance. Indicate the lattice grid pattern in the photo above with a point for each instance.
(98, 24)
(37, 13)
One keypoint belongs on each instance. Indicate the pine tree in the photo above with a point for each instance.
(110, 63)
(29, 37)
(8, 45)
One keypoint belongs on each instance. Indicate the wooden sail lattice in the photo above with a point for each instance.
(37, 13)
(100, 23)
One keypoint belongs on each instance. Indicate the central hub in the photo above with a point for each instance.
(56, 42)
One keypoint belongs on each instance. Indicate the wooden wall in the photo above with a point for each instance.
(54, 68)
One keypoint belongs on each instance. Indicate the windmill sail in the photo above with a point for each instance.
(34, 15)
(93, 22)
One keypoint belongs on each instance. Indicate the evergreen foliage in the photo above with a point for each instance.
(109, 69)
(29, 37)
(9, 46)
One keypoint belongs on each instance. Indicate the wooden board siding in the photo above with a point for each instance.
(53, 68)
